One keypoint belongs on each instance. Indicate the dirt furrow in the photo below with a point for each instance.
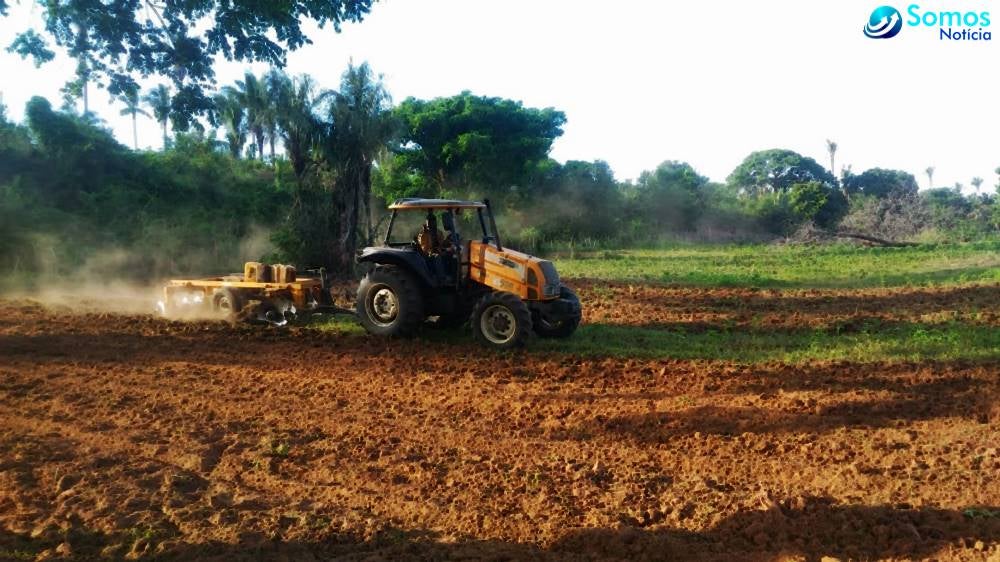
(132, 435)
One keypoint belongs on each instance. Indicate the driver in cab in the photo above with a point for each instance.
(432, 240)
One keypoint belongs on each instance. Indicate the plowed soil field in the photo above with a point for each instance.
(128, 436)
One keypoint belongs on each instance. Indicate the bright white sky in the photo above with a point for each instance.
(706, 82)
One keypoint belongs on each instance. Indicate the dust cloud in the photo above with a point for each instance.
(125, 281)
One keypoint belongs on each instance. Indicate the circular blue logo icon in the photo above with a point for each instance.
(884, 23)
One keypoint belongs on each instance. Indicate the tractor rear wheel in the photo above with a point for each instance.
(501, 320)
(390, 302)
(562, 328)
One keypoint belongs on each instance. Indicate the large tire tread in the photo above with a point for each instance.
(513, 303)
(408, 294)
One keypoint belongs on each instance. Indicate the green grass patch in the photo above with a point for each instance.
(798, 266)
(944, 336)
(17, 547)
(893, 342)
(981, 513)
(945, 341)
(18, 554)
(337, 323)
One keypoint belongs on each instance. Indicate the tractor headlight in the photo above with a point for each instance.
(551, 290)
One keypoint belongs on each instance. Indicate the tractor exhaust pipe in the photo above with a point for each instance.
(493, 225)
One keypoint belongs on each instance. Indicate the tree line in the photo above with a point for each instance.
(315, 167)
(473, 146)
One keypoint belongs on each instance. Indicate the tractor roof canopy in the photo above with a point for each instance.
(418, 203)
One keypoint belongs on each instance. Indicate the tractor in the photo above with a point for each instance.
(504, 295)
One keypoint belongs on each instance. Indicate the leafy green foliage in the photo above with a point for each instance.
(361, 127)
(671, 197)
(31, 44)
(880, 182)
(118, 40)
(254, 100)
(569, 194)
(309, 234)
(776, 171)
(159, 100)
(819, 203)
(782, 190)
(947, 206)
(230, 113)
(471, 145)
(773, 213)
(64, 178)
(133, 108)
(332, 149)
(70, 194)
(297, 119)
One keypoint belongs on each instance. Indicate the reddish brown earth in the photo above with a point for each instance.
(622, 303)
(129, 436)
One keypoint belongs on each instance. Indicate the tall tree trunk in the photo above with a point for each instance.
(366, 200)
(348, 194)
(270, 139)
(165, 142)
(843, 184)
(296, 157)
(135, 133)
(362, 207)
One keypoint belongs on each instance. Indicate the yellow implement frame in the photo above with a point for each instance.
(304, 292)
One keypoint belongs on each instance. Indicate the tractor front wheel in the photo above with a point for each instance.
(390, 302)
(501, 320)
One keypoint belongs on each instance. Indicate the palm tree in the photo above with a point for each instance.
(361, 128)
(977, 182)
(299, 128)
(158, 99)
(79, 88)
(930, 176)
(253, 96)
(831, 147)
(275, 89)
(131, 100)
(83, 76)
(229, 107)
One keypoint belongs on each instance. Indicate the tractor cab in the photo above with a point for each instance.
(443, 258)
(432, 228)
